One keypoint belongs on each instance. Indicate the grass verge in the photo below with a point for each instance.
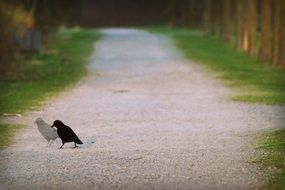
(31, 79)
(254, 81)
(7, 132)
(273, 145)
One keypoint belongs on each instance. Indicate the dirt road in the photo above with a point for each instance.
(157, 122)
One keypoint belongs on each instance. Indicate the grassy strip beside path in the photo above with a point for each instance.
(7, 132)
(253, 80)
(273, 144)
(34, 79)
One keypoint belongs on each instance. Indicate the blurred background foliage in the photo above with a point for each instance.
(255, 27)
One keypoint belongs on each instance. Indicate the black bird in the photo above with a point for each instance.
(66, 133)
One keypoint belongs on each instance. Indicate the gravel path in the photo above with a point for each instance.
(158, 122)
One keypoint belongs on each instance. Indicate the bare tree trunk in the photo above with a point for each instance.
(282, 34)
(276, 35)
(240, 24)
(265, 42)
(216, 20)
(185, 11)
(227, 20)
(245, 29)
(207, 15)
(279, 32)
(251, 27)
(171, 11)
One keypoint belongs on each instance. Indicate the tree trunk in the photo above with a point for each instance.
(207, 15)
(171, 11)
(275, 56)
(185, 12)
(218, 20)
(282, 34)
(227, 20)
(251, 27)
(279, 33)
(245, 28)
(265, 41)
(240, 24)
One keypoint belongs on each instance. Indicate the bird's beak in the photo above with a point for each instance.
(52, 126)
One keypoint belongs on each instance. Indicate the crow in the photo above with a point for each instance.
(66, 134)
(45, 130)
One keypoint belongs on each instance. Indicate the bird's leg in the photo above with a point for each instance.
(61, 145)
(75, 145)
(48, 143)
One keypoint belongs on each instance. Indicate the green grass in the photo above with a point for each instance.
(32, 79)
(273, 145)
(254, 81)
(7, 132)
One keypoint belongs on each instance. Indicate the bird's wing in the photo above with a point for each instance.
(47, 132)
(72, 136)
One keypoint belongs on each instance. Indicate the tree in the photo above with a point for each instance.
(218, 20)
(240, 24)
(185, 12)
(171, 7)
(246, 25)
(266, 25)
(251, 26)
(207, 16)
(279, 33)
(227, 20)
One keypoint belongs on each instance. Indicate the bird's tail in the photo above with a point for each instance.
(78, 141)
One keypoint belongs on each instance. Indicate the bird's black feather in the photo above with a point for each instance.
(65, 133)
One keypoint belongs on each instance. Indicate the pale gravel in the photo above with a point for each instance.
(157, 120)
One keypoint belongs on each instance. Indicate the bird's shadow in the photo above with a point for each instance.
(87, 143)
